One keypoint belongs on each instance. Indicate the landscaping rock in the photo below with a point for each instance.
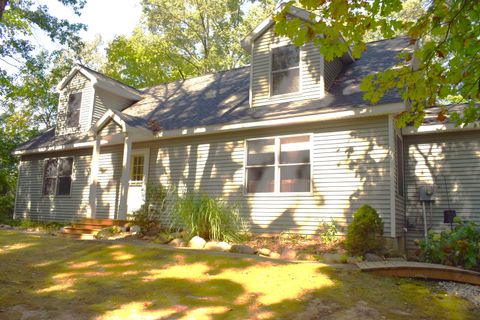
(241, 248)
(135, 229)
(288, 254)
(177, 242)
(275, 255)
(264, 252)
(332, 257)
(370, 257)
(197, 243)
(5, 226)
(212, 245)
(224, 246)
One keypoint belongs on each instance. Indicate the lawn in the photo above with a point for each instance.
(44, 277)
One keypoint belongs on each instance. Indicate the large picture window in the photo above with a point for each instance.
(73, 109)
(279, 164)
(57, 176)
(285, 76)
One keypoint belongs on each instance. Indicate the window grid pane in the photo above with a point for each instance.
(137, 168)
(58, 176)
(291, 165)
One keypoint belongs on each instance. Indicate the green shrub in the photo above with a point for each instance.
(457, 247)
(207, 217)
(158, 204)
(365, 232)
(108, 232)
(328, 232)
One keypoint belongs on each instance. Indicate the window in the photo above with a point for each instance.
(285, 76)
(400, 164)
(57, 176)
(137, 168)
(73, 110)
(278, 165)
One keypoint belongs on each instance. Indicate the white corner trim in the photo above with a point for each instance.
(391, 158)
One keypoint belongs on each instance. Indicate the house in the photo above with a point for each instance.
(289, 138)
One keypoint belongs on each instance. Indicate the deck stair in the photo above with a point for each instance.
(86, 228)
(420, 270)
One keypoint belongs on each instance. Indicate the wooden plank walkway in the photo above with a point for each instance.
(421, 270)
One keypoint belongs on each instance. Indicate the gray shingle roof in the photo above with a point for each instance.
(223, 97)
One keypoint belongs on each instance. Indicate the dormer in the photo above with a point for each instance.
(282, 72)
(85, 95)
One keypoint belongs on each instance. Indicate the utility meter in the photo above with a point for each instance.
(426, 193)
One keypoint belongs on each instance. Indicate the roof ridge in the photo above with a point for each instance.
(199, 76)
(104, 75)
(392, 38)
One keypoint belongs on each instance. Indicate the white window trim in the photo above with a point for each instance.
(276, 165)
(146, 165)
(74, 128)
(55, 195)
(300, 74)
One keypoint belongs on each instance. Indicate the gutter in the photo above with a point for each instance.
(386, 109)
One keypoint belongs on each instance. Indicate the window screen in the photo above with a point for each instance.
(285, 70)
(73, 110)
(57, 176)
(278, 165)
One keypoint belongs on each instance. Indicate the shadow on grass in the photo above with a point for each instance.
(50, 277)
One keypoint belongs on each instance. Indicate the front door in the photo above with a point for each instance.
(138, 180)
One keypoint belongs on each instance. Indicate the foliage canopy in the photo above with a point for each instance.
(443, 65)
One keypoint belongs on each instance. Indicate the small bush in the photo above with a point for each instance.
(108, 232)
(364, 234)
(207, 217)
(457, 247)
(328, 233)
(158, 203)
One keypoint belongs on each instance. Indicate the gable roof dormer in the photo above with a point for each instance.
(85, 95)
(281, 72)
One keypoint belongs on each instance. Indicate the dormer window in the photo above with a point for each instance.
(285, 77)
(73, 110)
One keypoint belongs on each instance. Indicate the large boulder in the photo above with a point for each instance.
(288, 254)
(197, 243)
(264, 252)
(177, 242)
(224, 246)
(241, 248)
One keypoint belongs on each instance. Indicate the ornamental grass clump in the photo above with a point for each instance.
(207, 217)
(458, 247)
(365, 232)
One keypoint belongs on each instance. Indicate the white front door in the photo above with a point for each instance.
(137, 184)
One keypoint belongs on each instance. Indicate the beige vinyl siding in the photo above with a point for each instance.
(311, 69)
(111, 128)
(108, 179)
(78, 83)
(332, 69)
(454, 156)
(105, 100)
(31, 204)
(350, 167)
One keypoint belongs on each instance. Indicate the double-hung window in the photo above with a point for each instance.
(57, 176)
(73, 109)
(285, 77)
(280, 164)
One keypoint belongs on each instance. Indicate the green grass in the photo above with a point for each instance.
(44, 277)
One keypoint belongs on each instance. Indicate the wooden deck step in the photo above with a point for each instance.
(410, 269)
(86, 228)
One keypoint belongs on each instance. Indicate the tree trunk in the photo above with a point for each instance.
(3, 4)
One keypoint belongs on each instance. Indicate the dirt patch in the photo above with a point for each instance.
(307, 247)
(328, 310)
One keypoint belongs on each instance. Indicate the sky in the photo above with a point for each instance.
(105, 17)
